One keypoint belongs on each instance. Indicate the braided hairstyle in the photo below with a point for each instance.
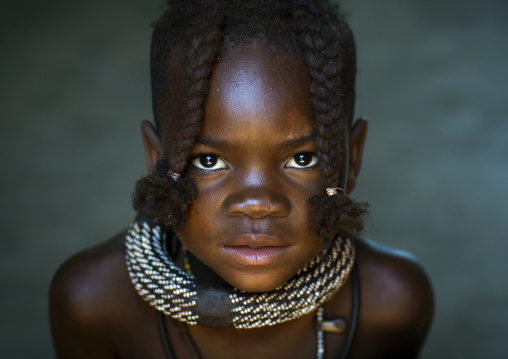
(201, 30)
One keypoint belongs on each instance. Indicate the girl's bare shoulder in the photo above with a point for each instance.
(91, 295)
(91, 277)
(397, 301)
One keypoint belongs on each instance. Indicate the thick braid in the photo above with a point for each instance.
(163, 199)
(203, 51)
(157, 195)
(322, 52)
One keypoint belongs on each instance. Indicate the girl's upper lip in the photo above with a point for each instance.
(256, 240)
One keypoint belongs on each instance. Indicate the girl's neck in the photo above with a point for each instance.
(205, 276)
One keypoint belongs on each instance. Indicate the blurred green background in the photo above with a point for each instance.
(432, 81)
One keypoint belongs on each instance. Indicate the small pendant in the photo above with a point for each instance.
(333, 326)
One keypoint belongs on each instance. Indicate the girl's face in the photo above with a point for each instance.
(255, 167)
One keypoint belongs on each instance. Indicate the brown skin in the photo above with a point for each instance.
(257, 103)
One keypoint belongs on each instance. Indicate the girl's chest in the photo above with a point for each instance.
(292, 340)
(295, 339)
(139, 335)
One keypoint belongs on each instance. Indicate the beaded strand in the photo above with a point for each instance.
(186, 264)
(320, 336)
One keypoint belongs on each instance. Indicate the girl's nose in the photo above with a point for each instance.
(257, 203)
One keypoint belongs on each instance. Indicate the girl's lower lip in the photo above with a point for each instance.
(256, 256)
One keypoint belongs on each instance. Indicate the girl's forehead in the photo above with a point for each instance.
(257, 71)
(249, 81)
(255, 62)
(254, 82)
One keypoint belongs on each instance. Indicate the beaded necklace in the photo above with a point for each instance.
(170, 290)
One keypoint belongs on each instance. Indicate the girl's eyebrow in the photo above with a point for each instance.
(210, 142)
(293, 142)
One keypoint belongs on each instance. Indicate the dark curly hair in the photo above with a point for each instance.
(196, 33)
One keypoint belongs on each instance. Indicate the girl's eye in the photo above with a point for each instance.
(302, 160)
(209, 162)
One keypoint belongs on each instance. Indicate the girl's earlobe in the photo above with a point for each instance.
(151, 143)
(356, 143)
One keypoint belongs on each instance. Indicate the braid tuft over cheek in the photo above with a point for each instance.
(165, 200)
(337, 215)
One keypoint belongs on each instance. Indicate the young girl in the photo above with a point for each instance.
(247, 244)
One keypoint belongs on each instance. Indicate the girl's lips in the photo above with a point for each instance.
(256, 256)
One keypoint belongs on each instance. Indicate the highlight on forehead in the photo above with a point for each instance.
(252, 80)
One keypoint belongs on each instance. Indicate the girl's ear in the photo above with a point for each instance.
(151, 143)
(356, 142)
